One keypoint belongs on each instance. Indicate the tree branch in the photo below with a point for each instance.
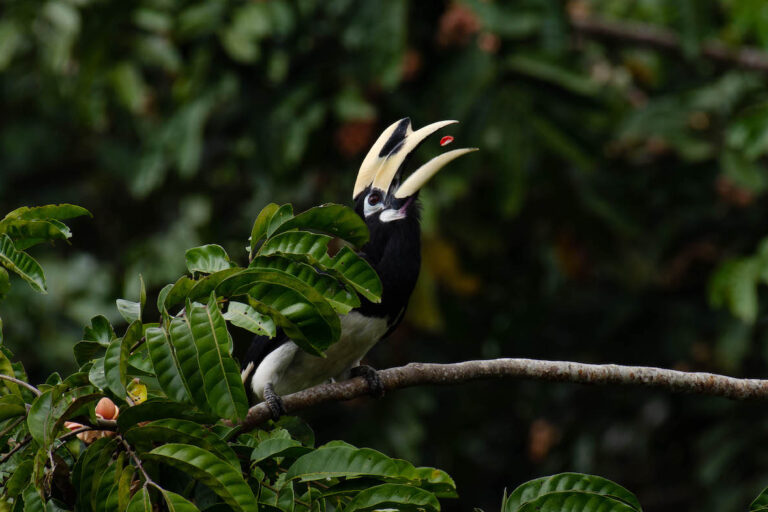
(664, 39)
(21, 383)
(416, 374)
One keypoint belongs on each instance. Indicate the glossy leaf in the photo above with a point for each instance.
(569, 482)
(261, 224)
(177, 503)
(281, 215)
(333, 219)
(88, 466)
(87, 350)
(19, 479)
(129, 310)
(207, 259)
(140, 502)
(312, 248)
(343, 461)
(116, 359)
(211, 471)
(105, 481)
(6, 368)
(156, 409)
(166, 365)
(304, 315)
(21, 263)
(100, 331)
(338, 296)
(245, 317)
(183, 431)
(203, 287)
(39, 418)
(177, 294)
(33, 501)
(11, 406)
(394, 496)
(97, 375)
(221, 375)
(760, 503)
(186, 355)
(26, 233)
(50, 211)
(573, 501)
(278, 448)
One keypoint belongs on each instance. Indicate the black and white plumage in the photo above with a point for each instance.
(390, 208)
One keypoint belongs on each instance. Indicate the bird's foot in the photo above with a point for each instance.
(371, 376)
(274, 402)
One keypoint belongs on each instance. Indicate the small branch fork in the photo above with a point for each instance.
(416, 374)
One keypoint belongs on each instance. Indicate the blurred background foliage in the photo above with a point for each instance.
(615, 213)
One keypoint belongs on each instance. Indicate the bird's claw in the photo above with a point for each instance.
(274, 402)
(371, 376)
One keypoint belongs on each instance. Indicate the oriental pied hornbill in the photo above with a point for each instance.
(389, 206)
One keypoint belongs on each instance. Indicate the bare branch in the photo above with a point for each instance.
(664, 39)
(416, 374)
(21, 383)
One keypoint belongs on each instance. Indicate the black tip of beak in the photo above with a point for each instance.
(397, 136)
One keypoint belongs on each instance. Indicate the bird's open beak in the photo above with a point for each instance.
(386, 157)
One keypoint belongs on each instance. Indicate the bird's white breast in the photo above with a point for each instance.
(290, 369)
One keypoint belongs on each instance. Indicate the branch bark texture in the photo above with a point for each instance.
(417, 374)
(664, 39)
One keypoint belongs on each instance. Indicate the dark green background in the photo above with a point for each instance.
(614, 213)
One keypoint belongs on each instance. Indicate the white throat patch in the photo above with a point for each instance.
(391, 214)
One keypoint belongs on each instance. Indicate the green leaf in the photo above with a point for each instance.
(261, 224)
(183, 431)
(6, 368)
(21, 263)
(211, 471)
(159, 408)
(5, 286)
(573, 501)
(26, 233)
(343, 461)
(332, 219)
(123, 489)
(97, 375)
(760, 503)
(105, 480)
(203, 287)
(312, 248)
(50, 211)
(278, 447)
(395, 496)
(116, 359)
(100, 331)
(207, 259)
(88, 466)
(245, 317)
(11, 406)
(39, 418)
(178, 293)
(140, 502)
(166, 365)
(340, 297)
(186, 355)
(87, 350)
(304, 315)
(531, 490)
(19, 479)
(221, 375)
(33, 501)
(282, 214)
(176, 503)
(131, 311)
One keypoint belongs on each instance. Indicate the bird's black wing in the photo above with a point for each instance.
(261, 346)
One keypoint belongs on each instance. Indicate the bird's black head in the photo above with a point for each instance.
(389, 206)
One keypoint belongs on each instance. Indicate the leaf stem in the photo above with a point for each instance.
(21, 383)
(137, 460)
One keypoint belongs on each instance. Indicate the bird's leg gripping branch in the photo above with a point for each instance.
(416, 374)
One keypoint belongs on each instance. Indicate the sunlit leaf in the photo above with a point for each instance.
(21, 263)
(245, 317)
(395, 496)
(166, 365)
(332, 219)
(261, 224)
(532, 490)
(207, 259)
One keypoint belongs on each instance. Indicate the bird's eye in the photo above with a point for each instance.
(374, 199)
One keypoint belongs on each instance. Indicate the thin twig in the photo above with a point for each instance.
(416, 374)
(21, 383)
(137, 460)
(664, 39)
(12, 426)
(16, 448)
